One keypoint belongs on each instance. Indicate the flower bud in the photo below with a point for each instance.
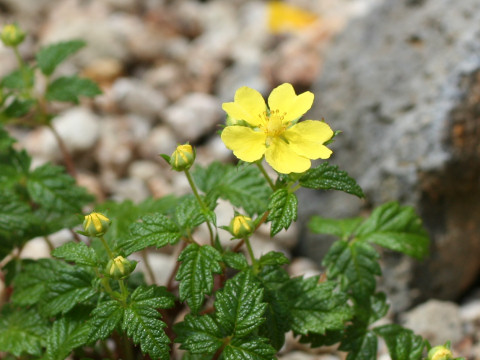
(182, 158)
(241, 226)
(12, 35)
(441, 352)
(96, 224)
(120, 267)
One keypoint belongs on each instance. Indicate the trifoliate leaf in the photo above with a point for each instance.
(189, 214)
(105, 318)
(360, 344)
(402, 343)
(244, 186)
(342, 228)
(69, 88)
(19, 79)
(283, 210)
(49, 57)
(397, 228)
(234, 260)
(329, 177)
(254, 348)
(195, 274)
(22, 331)
(199, 334)
(239, 306)
(79, 253)
(18, 108)
(356, 265)
(316, 307)
(153, 230)
(71, 287)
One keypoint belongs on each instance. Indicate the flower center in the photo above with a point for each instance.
(273, 125)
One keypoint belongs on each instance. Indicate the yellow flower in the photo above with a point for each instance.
(273, 131)
(96, 224)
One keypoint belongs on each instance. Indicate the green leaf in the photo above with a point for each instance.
(360, 344)
(49, 57)
(71, 287)
(68, 89)
(195, 274)
(199, 334)
(328, 177)
(239, 306)
(141, 320)
(283, 210)
(22, 331)
(253, 348)
(105, 318)
(397, 228)
(244, 186)
(273, 258)
(153, 230)
(234, 260)
(79, 253)
(342, 228)
(19, 79)
(189, 215)
(402, 343)
(18, 108)
(331, 337)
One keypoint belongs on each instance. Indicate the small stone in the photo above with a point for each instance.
(130, 189)
(302, 266)
(103, 71)
(144, 170)
(92, 184)
(160, 140)
(36, 248)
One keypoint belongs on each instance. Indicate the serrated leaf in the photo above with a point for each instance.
(273, 258)
(199, 334)
(18, 108)
(329, 177)
(153, 296)
(19, 79)
(68, 89)
(189, 214)
(316, 307)
(234, 260)
(361, 344)
(283, 210)
(105, 318)
(402, 343)
(342, 228)
(153, 230)
(244, 186)
(49, 57)
(397, 228)
(22, 331)
(318, 340)
(195, 274)
(79, 253)
(249, 349)
(71, 287)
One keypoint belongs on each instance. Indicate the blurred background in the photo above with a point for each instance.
(399, 78)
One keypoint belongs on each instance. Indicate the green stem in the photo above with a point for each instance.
(107, 248)
(124, 291)
(127, 348)
(250, 250)
(265, 175)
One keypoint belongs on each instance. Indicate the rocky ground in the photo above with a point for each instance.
(165, 67)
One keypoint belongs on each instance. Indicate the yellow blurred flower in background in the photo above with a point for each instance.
(255, 130)
(284, 17)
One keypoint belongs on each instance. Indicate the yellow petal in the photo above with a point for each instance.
(246, 144)
(283, 159)
(285, 17)
(290, 105)
(307, 137)
(248, 105)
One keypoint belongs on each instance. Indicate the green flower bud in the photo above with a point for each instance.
(441, 352)
(241, 226)
(120, 267)
(12, 35)
(182, 158)
(96, 224)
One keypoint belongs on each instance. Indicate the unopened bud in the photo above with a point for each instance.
(120, 267)
(241, 226)
(182, 158)
(96, 224)
(12, 35)
(441, 352)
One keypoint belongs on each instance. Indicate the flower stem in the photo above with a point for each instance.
(264, 173)
(124, 291)
(107, 248)
(250, 250)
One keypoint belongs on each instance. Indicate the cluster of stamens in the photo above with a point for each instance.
(272, 122)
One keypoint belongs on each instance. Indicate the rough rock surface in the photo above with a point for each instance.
(403, 85)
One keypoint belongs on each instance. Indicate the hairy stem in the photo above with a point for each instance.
(265, 175)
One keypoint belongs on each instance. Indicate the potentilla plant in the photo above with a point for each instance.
(221, 300)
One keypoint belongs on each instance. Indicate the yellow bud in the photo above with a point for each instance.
(440, 352)
(96, 224)
(120, 267)
(12, 35)
(182, 158)
(241, 226)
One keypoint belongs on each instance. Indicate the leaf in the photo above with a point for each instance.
(141, 320)
(283, 210)
(189, 215)
(273, 258)
(22, 331)
(234, 260)
(239, 306)
(19, 79)
(360, 344)
(328, 177)
(195, 274)
(342, 228)
(253, 348)
(402, 343)
(79, 253)
(18, 108)
(49, 57)
(105, 318)
(153, 230)
(68, 89)
(396, 228)
(199, 334)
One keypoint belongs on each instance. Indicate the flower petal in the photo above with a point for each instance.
(307, 137)
(290, 106)
(247, 144)
(281, 157)
(248, 105)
